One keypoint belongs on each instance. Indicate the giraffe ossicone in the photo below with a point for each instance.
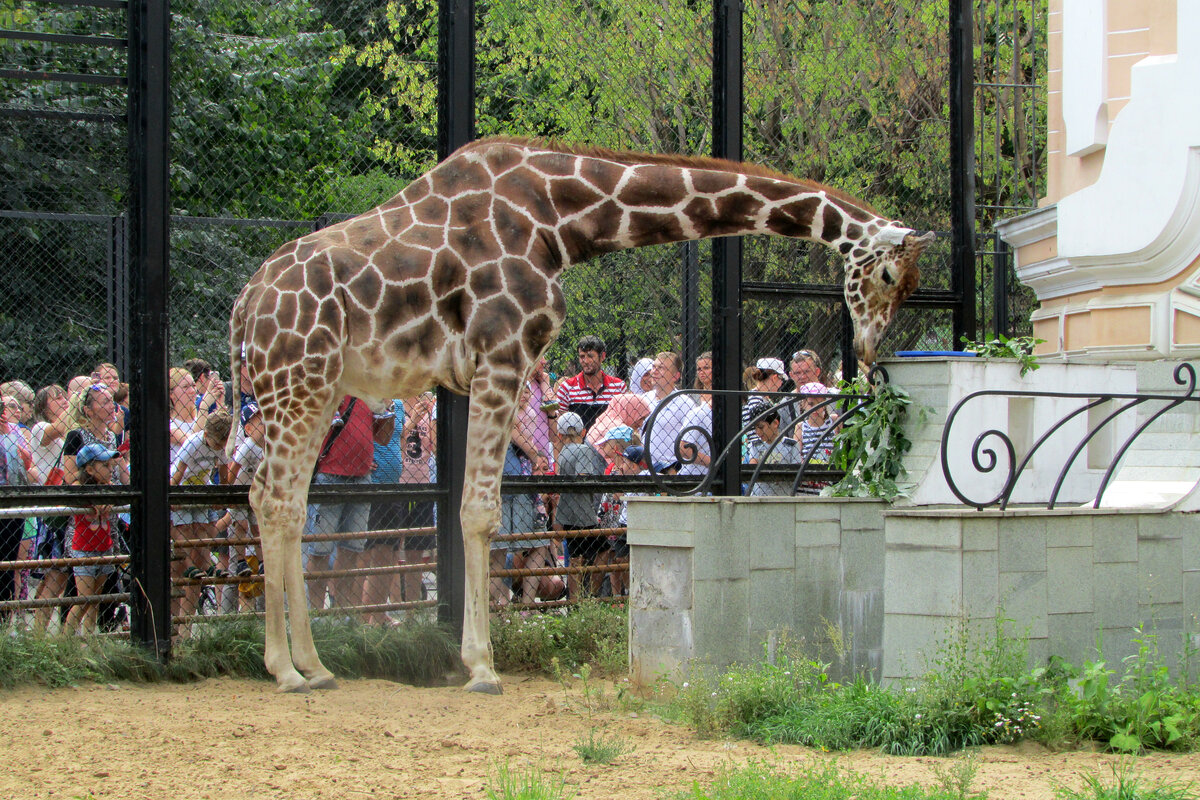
(455, 283)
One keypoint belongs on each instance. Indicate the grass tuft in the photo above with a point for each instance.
(1125, 784)
(416, 652)
(530, 783)
(602, 748)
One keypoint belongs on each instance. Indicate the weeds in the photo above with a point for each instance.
(416, 652)
(601, 749)
(531, 783)
(759, 781)
(1125, 785)
(592, 632)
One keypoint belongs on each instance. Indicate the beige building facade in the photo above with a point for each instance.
(1113, 252)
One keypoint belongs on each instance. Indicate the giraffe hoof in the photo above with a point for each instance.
(324, 682)
(294, 688)
(484, 687)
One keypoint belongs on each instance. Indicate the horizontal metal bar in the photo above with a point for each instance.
(118, 4)
(65, 38)
(63, 77)
(922, 297)
(242, 223)
(50, 216)
(77, 116)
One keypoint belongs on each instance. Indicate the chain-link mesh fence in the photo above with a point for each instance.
(288, 116)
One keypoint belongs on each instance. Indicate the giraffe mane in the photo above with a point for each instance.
(675, 160)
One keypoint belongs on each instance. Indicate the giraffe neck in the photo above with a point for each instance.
(626, 205)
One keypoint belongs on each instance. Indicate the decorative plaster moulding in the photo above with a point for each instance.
(1140, 221)
(1054, 277)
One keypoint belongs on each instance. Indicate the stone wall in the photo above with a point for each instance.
(715, 579)
(1070, 580)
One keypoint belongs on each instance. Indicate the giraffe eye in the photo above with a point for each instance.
(887, 277)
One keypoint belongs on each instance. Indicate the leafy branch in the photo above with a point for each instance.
(1018, 347)
(871, 446)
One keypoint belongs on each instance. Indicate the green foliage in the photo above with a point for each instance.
(33, 658)
(1018, 347)
(870, 446)
(758, 780)
(601, 748)
(415, 652)
(532, 783)
(1126, 784)
(588, 633)
(1144, 709)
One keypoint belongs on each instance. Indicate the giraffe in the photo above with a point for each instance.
(455, 282)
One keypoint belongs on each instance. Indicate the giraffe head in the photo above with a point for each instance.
(879, 279)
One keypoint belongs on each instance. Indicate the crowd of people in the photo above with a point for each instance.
(589, 422)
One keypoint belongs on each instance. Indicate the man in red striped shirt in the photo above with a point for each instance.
(589, 392)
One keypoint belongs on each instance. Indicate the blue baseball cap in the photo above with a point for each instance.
(93, 452)
(249, 409)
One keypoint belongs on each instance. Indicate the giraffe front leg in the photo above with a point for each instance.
(279, 519)
(488, 432)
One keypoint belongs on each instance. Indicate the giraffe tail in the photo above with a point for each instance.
(237, 353)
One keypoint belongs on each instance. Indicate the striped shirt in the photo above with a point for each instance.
(575, 395)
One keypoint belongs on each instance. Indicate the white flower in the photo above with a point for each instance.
(685, 684)
(918, 716)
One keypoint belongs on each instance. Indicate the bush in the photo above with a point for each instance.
(590, 632)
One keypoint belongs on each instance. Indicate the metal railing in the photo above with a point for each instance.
(995, 449)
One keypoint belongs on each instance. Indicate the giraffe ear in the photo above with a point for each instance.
(893, 236)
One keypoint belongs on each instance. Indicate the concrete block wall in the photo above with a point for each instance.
(714, 579)
(1068, 579)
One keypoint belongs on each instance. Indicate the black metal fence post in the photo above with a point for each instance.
(149, 247)
(456, 127)
(962, 168)
(727, 252)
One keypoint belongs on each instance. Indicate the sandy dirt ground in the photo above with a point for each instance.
(225, 739)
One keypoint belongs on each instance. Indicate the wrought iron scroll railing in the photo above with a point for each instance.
(1111, 410)
(692, 445)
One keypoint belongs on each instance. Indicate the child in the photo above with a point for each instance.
(578, 511)
(92, 536)
(199, 454)
(786, 451)
(241, 473)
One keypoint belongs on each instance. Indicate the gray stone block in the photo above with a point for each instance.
(818, 509)
(815, 601)
(1191, 594)
(860, 616)
(772, 600)
(923, 531)
(923, 580)
(1023, 599)
(660, 578)
(819, 564)
(1069, 572)
(862, 560)
(813, 533)
(1114, 538)
(1159, 576)
(1115, 594)
(721, 621)
(1073, 529)
(772, 539)
(1023, 544)
(722, 549)
(910, 644)
(1071, 636)
(1189, 529)
(1163, 526)
(980, 585)
(661, 643)
(661, 514)
(980, 533)
(862, 514)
